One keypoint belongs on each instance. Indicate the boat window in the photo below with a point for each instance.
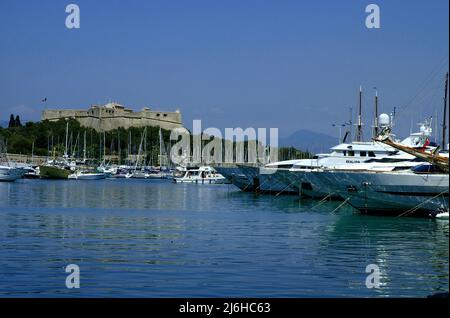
(345, 153)
(284, 166)
(425, 168)
(363, 153)
(351, 153)
(371, 154)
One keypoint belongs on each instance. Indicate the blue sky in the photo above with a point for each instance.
(286, 64)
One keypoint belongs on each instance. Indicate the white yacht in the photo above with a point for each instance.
(201, 174)
(411, 192)
(292, 176)
(356, 156)
(10, 174)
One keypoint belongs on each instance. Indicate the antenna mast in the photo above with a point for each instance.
(444, 120)
(376, 113)
(359, 125)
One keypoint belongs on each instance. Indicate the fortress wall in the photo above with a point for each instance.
(58, 114)
(103, 119)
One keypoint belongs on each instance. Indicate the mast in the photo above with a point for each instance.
(84, 146)
(104, 145)
(129, 146)
(67, 137)
(118, 144)
(359, 124)
(444, 120)
(32, 152)
(376, 113)
(160, 147)
(350, 123)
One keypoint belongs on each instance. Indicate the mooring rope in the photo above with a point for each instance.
(341, 205)
(286, 188)
(323, 200)
(414, 209)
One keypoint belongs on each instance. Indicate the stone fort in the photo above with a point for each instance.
(113, 115)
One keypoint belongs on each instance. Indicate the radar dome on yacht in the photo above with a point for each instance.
(383, 120)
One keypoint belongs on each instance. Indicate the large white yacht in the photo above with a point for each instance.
(408, 192)
(291, 176)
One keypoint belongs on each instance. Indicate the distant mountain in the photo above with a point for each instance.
(311, 141)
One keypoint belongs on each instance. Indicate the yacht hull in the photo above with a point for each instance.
(389, 193)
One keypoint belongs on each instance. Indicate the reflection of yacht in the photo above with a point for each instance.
(416, 190)
(202, 174)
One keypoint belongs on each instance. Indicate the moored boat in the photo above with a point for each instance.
(417, 191)
(53, 172)
(201, 174)
(10, 173)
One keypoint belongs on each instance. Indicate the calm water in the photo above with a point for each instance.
(158, 239)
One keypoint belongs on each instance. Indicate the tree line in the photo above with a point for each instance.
(48, 138)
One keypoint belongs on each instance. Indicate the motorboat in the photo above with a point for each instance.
(201, 174)
(10, 173)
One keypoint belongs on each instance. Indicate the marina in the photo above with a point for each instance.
(229, 157)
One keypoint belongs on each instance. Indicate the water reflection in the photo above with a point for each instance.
(153, 238)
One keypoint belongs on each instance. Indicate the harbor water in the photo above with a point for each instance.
(153, 238)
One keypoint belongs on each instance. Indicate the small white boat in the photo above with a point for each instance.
(440, 214)
(202, 175)
(10, 173)
(84, 175)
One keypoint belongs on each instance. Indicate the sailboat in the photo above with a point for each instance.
(57, 169)
(8, 173)
(86, 174)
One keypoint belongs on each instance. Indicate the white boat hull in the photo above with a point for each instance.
(389, 192)
(88, 176)
(9, 174)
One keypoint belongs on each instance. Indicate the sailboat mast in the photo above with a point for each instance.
(84, 147)
(444, 120)
(32, 152)
(376, 114)
(118, 144)
(160, 147)
(359, 132)
(104, 145)
(67, 138)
